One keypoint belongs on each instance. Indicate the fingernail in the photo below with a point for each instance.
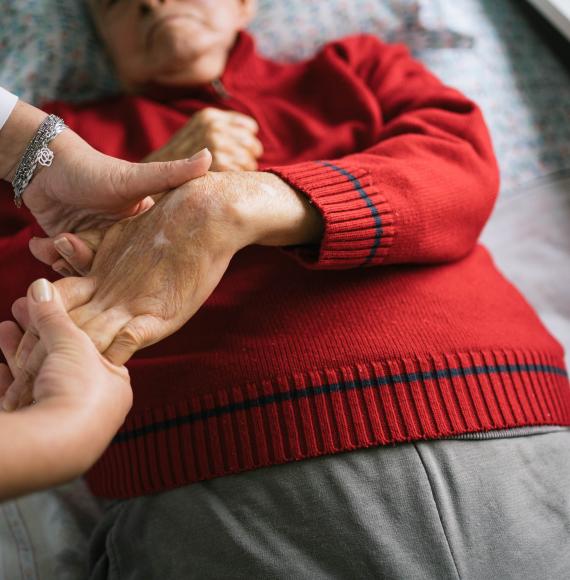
(63, 270)
(42, 291)
(64, 247)
(203, 153)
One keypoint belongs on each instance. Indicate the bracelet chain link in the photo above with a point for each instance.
(36, 152)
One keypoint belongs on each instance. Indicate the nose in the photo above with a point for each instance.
(147, 6)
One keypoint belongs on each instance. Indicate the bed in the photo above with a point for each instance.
(486, 48)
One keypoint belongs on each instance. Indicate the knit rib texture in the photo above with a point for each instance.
(331, 411)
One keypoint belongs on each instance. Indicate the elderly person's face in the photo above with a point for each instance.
(171, 42)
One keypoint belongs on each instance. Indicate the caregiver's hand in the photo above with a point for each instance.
(81, 401)
(83, 188)
(151, 273)
(231, 138)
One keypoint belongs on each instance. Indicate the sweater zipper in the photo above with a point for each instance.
(220, 89)
(224, 95)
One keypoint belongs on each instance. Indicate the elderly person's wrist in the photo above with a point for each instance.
(15, 136)
(272, 213)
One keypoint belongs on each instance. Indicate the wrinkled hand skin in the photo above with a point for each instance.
(231, 138)
(152, 272)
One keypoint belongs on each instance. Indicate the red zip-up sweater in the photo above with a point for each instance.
(397, 327)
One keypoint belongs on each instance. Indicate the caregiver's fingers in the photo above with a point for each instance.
(28, 375)
(20, 393)
(67, 253)
(26, 346)
(71, 297)
(10, 336)
(6, 380)
(76, 252)
(73, 293)
(43, 250)
(53, 324)
(17, 391)
(64, 269)
(26, 396)
(20, 312)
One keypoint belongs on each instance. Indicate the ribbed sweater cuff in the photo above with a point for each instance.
(359, 224)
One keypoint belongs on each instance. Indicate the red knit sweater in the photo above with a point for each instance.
(397, 327)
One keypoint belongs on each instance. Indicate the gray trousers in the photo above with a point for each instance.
(493, 508)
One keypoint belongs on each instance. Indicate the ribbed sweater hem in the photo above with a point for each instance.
(323, 412)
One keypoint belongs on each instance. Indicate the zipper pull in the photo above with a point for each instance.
(221, 91)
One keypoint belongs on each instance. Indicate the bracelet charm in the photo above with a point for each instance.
(45, 157)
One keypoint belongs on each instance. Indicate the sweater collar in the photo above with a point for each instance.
(241, 69)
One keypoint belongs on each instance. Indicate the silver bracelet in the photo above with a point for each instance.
(36, 152)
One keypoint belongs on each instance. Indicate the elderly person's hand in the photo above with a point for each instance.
(83, 188)
(151, 273)
(229, 136)
(81, 401)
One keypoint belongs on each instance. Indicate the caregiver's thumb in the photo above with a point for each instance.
(49, 318)
(134, 181)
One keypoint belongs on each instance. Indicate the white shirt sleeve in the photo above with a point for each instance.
(7, 103)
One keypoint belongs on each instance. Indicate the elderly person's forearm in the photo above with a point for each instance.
(275, 214)
(263, 208)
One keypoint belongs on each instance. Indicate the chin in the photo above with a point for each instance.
(179, 45)
(180, 63)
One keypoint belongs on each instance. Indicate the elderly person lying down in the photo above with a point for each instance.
(321, 291)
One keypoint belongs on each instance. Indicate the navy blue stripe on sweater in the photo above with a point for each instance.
(373, 209)
(405, 378)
